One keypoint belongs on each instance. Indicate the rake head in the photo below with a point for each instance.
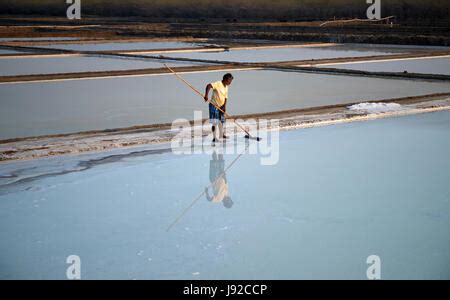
(257, 138)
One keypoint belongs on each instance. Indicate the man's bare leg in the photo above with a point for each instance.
(222, 131)
(213, 128)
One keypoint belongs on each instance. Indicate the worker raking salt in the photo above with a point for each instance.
(248, 135)
(218, 103)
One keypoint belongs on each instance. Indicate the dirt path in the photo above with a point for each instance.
(103, 140)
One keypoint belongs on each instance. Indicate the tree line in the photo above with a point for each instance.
(234, 10)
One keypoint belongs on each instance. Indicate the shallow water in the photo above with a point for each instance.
(397, 48)
(31, 109)
(338, 195)
(427, 66)
(53, 65)
(282, 54)
(122, 46)
(4, 51)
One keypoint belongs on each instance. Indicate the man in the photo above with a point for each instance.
(219, 99)
(219, 182)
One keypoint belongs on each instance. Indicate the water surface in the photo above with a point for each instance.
(122, 46)
(4, 51)
(283, 54)
(425, 65)
(338, 195)
(54, 65)
(30, 109)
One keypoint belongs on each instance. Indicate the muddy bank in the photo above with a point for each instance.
(115, 74)
(350, 72)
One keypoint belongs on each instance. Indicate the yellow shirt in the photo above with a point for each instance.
(220, 190)
(220, 93)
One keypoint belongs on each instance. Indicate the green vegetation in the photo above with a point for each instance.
(234, 10)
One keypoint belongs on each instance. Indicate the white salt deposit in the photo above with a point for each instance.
(375, 107)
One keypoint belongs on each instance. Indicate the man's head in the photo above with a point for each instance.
(227, 79)
(227, 202)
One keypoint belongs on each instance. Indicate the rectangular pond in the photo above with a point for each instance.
(5, 51)
(111, 46)
(437, 65)
(69, 64)
(29, 109)
(338, 195)
(284, 54)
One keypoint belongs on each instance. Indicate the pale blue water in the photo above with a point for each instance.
(4, 51)
(122, 46)
(427, 66)
(42, 65)
(337, 195)
(282, 54)
(31, 109)
(399, 48)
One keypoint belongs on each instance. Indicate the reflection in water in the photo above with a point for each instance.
(219, 183)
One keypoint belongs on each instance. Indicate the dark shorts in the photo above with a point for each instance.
(216, 169)
(215, 115)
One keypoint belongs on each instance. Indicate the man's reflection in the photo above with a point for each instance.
(218, 179)
(218, 184)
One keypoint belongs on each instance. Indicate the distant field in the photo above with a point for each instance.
(235, 10)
